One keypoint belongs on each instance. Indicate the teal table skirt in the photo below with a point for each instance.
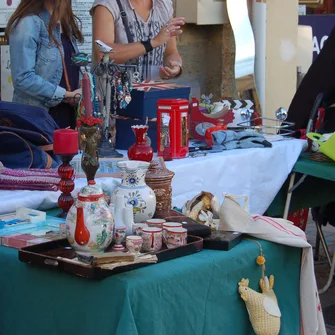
(193, 295)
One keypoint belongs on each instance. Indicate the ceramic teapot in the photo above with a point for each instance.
(90, 222)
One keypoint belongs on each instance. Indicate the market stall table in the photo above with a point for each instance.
(317, 188)
(256, 173)
(314, 187)
(192, 295)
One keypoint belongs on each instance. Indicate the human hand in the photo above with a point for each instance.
(172, 28)
(171, 70)
(73, 97)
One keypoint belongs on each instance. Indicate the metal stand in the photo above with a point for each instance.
(291, 188)
(330, 278)
(320, 235)
(323, 242)
(107, 150)
(104, 72)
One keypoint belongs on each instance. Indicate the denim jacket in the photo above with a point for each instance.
(36, 62)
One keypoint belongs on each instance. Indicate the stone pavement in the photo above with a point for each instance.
(321, 266)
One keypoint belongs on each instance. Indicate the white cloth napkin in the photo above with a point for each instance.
(234, 217)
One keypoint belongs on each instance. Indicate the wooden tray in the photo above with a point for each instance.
(46, 254)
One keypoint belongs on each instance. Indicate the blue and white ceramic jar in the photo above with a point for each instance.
(135, 190)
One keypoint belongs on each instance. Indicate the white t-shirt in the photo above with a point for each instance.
(161, 13)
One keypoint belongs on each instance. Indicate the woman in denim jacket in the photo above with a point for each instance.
(42, 37)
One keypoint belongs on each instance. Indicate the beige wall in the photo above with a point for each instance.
(208, 56)
(204, 58)
(208, 63)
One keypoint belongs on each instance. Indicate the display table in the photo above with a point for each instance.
(256, 173)
(193, 295)
(311, 184)
(317, 189)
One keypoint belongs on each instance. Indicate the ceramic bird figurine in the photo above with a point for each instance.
(262, 307)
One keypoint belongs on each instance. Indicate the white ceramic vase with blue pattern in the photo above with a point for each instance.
(135, 191)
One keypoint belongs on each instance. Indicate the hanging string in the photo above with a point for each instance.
(260, 260)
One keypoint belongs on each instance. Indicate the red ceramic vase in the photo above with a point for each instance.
(140, 151)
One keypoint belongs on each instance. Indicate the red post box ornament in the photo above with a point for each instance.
(172, 128)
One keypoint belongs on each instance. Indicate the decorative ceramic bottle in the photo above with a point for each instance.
(160, 181)
(140, 150)
(123, 214)
(135, 190)
(90, 223)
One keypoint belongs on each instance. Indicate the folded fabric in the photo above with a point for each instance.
(229, 139)
(235, 218)
(28, 179)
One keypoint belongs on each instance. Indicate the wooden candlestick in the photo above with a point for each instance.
(66, 146)
(66, 185)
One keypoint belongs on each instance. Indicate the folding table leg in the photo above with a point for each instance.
(323, 242)
(330, 278)
(317, 246)
(289, 196)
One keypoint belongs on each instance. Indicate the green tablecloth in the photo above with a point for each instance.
(193, 295)
(318, 189)
(322, 170)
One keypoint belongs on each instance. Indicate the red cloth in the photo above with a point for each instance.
(28, 179)
(299, 218)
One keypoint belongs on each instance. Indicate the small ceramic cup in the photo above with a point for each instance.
(119, 236)
(134, 244)
(138, 227)
(155, 223)
(168, 225)
(175, 237)
(152, 239)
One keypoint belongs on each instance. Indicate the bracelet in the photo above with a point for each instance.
(147, 45)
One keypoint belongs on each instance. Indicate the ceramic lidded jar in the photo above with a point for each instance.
(140, 150)
(135, 190)
(160, 181)
(90, 223)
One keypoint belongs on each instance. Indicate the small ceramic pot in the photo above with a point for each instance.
(152, 239)
(120, 234)
(138, 227)
(175, 237)
(155, 223)
(168, 225)
(134, 244)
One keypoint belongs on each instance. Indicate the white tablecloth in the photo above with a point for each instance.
(257, 173)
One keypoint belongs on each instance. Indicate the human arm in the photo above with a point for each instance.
(172, 61)
(23, 41)
(103, 30)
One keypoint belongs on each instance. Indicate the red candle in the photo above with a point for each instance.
(65, 142)
(87, 95)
